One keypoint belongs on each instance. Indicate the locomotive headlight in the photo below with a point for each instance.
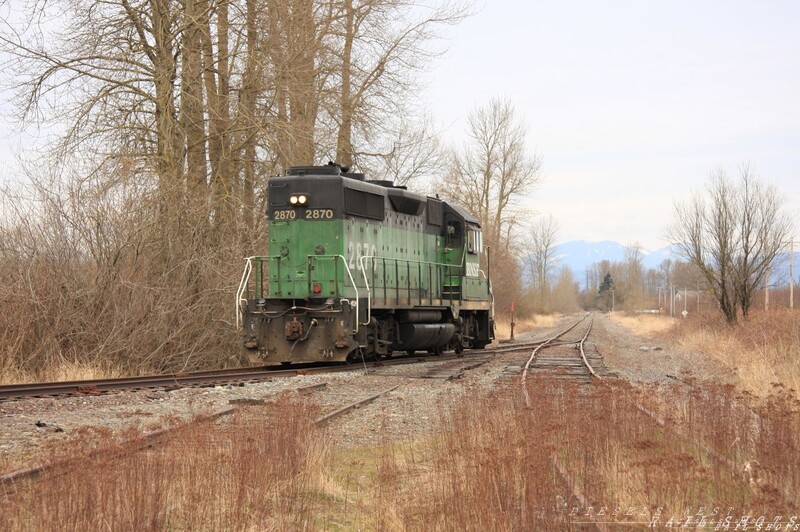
(298, 199)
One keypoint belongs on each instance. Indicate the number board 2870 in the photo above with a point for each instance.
(285, 215)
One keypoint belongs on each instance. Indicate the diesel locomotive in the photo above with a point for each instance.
(361, 269)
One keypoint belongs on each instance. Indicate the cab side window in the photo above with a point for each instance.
(474, 240)
(454, 234)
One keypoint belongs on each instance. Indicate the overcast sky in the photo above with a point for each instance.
(632, 104)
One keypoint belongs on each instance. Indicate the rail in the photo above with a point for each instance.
(548, 342)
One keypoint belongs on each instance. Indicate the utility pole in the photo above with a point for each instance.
(766, 290)
(791, 275)
(698, 296)
(671, 300)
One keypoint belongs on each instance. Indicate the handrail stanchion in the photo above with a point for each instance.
(355, 288)
(240, 292)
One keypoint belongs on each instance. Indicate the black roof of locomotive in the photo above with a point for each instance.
(332, 169)
(328, 169)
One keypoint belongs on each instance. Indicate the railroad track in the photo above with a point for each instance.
(567, 355)
(167, 382)
(564, 356)
(223, 377)
(9, 480)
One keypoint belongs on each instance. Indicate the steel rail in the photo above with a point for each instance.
(218, 377)
(130, 446)
(573, 487)
(576, 492)
(8, 480)
(98, 386)
(546, 343)
(583, 353)
(339, 411)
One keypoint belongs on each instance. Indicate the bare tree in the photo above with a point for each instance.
(633, 279)
(494, 170)
(542, 260)
(380, 45)
(415, 153)
(181, 109)
(565, 291)
(732, 236)
(489, 176)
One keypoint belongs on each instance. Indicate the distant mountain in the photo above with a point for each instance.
(580, 254)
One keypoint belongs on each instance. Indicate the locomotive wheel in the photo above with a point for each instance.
(411, 352)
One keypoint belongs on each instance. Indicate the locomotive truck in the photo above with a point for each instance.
(361, 269)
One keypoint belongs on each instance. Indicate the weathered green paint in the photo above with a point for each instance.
(400, 262)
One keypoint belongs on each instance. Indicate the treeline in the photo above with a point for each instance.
(605, 285)
(728, 238)
(628, 286)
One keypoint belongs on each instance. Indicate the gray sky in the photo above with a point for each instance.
(632, 104)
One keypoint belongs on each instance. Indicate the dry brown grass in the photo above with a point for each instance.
(94, 284)
(493, 469)
(66, 371)
(645, 325)
(257, 471)
(489, 466)
(537, 321)
(762, 352)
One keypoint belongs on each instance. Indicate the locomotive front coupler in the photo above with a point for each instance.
(296, 330)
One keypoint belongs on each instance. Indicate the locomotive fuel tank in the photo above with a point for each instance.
(415, 336)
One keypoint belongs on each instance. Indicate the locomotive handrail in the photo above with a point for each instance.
(407, 261)
(248, 268)
(353, 282)
(349, 274)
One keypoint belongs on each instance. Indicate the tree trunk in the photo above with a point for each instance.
(344, 140)
(168, 133)
(192, 110)
(247, 119)
(219, 142)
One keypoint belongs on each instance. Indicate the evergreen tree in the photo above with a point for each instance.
(607, 284)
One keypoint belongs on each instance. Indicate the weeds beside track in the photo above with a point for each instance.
(490, 462)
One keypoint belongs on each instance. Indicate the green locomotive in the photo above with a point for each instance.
(360, 268)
